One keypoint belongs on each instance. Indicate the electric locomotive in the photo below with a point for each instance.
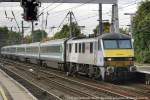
(107, 57)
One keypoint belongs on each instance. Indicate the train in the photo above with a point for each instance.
(106, 57)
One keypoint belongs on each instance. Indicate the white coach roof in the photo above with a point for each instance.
(51, 42)
(70, 1)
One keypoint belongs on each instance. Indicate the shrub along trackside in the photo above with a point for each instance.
(141, 32)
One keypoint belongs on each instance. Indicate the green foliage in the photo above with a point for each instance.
(141, 32)
(4, 30)
(3, 36)
(124, 31)
(106, 28)
(10, 37)
(65, 31)
(14, 38)
(146, 58)
(28, 39)
(38, 35)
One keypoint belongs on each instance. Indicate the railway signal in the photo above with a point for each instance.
(30, 8)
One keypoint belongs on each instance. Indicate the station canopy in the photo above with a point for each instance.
(70, 1)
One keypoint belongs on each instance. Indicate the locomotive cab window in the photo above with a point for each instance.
(110, 44)
(114, 44)
(124, 44)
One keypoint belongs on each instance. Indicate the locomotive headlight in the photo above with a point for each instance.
(109, 59)
(132, 68)
(130, 59)
(110, 70)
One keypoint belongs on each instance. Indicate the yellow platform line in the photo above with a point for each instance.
(2, 93)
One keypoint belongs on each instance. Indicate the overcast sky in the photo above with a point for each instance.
(86, 15)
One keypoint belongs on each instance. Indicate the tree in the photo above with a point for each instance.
(106, 28)
(38, 35)
(9, 37)
(65, 31)
(3, 36)
(28, 39)
(141, 32)
(14, 38)
(124, 31)
(4, 30)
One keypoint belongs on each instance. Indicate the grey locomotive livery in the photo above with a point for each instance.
(107, 57)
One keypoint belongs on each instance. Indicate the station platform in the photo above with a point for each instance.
(143, 68)
(12, 90)
(144, 72)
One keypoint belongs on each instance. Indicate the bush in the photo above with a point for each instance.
(146, 57)
(139, 57)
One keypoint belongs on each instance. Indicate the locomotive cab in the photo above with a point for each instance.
(118, 56)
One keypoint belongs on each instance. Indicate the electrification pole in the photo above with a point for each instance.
(100, 20)
(46, 20)
(32, 22)
(42, 26)
(70, 14)
(112, 20)
(131, 22)
(16, 20)
(22, 41)
(115, 19)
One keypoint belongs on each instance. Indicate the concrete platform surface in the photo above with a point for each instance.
(143, 68)
(15, 91)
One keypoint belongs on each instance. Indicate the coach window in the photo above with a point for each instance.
(76, 47)
(83, 47)
(70, 47)
(91, 47)
(53, 49)
(44, 49)
(79, 47)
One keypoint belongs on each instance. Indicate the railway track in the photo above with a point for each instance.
(138, 88)
(111, 89)
(107, 89)
(64, 87)
(37, 91)
(53, 85)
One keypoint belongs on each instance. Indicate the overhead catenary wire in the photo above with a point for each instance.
(130, 2)
(67, 9)
(97, 14)
(48, 13)
(63, 20)
(70, 7)
(50, 5)
(119, 8)
(54, 7)
(75, 18)
(84, 4)
(7, 16)
(16, 20)
(75, 8)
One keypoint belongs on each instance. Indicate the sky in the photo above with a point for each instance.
(85, 14)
